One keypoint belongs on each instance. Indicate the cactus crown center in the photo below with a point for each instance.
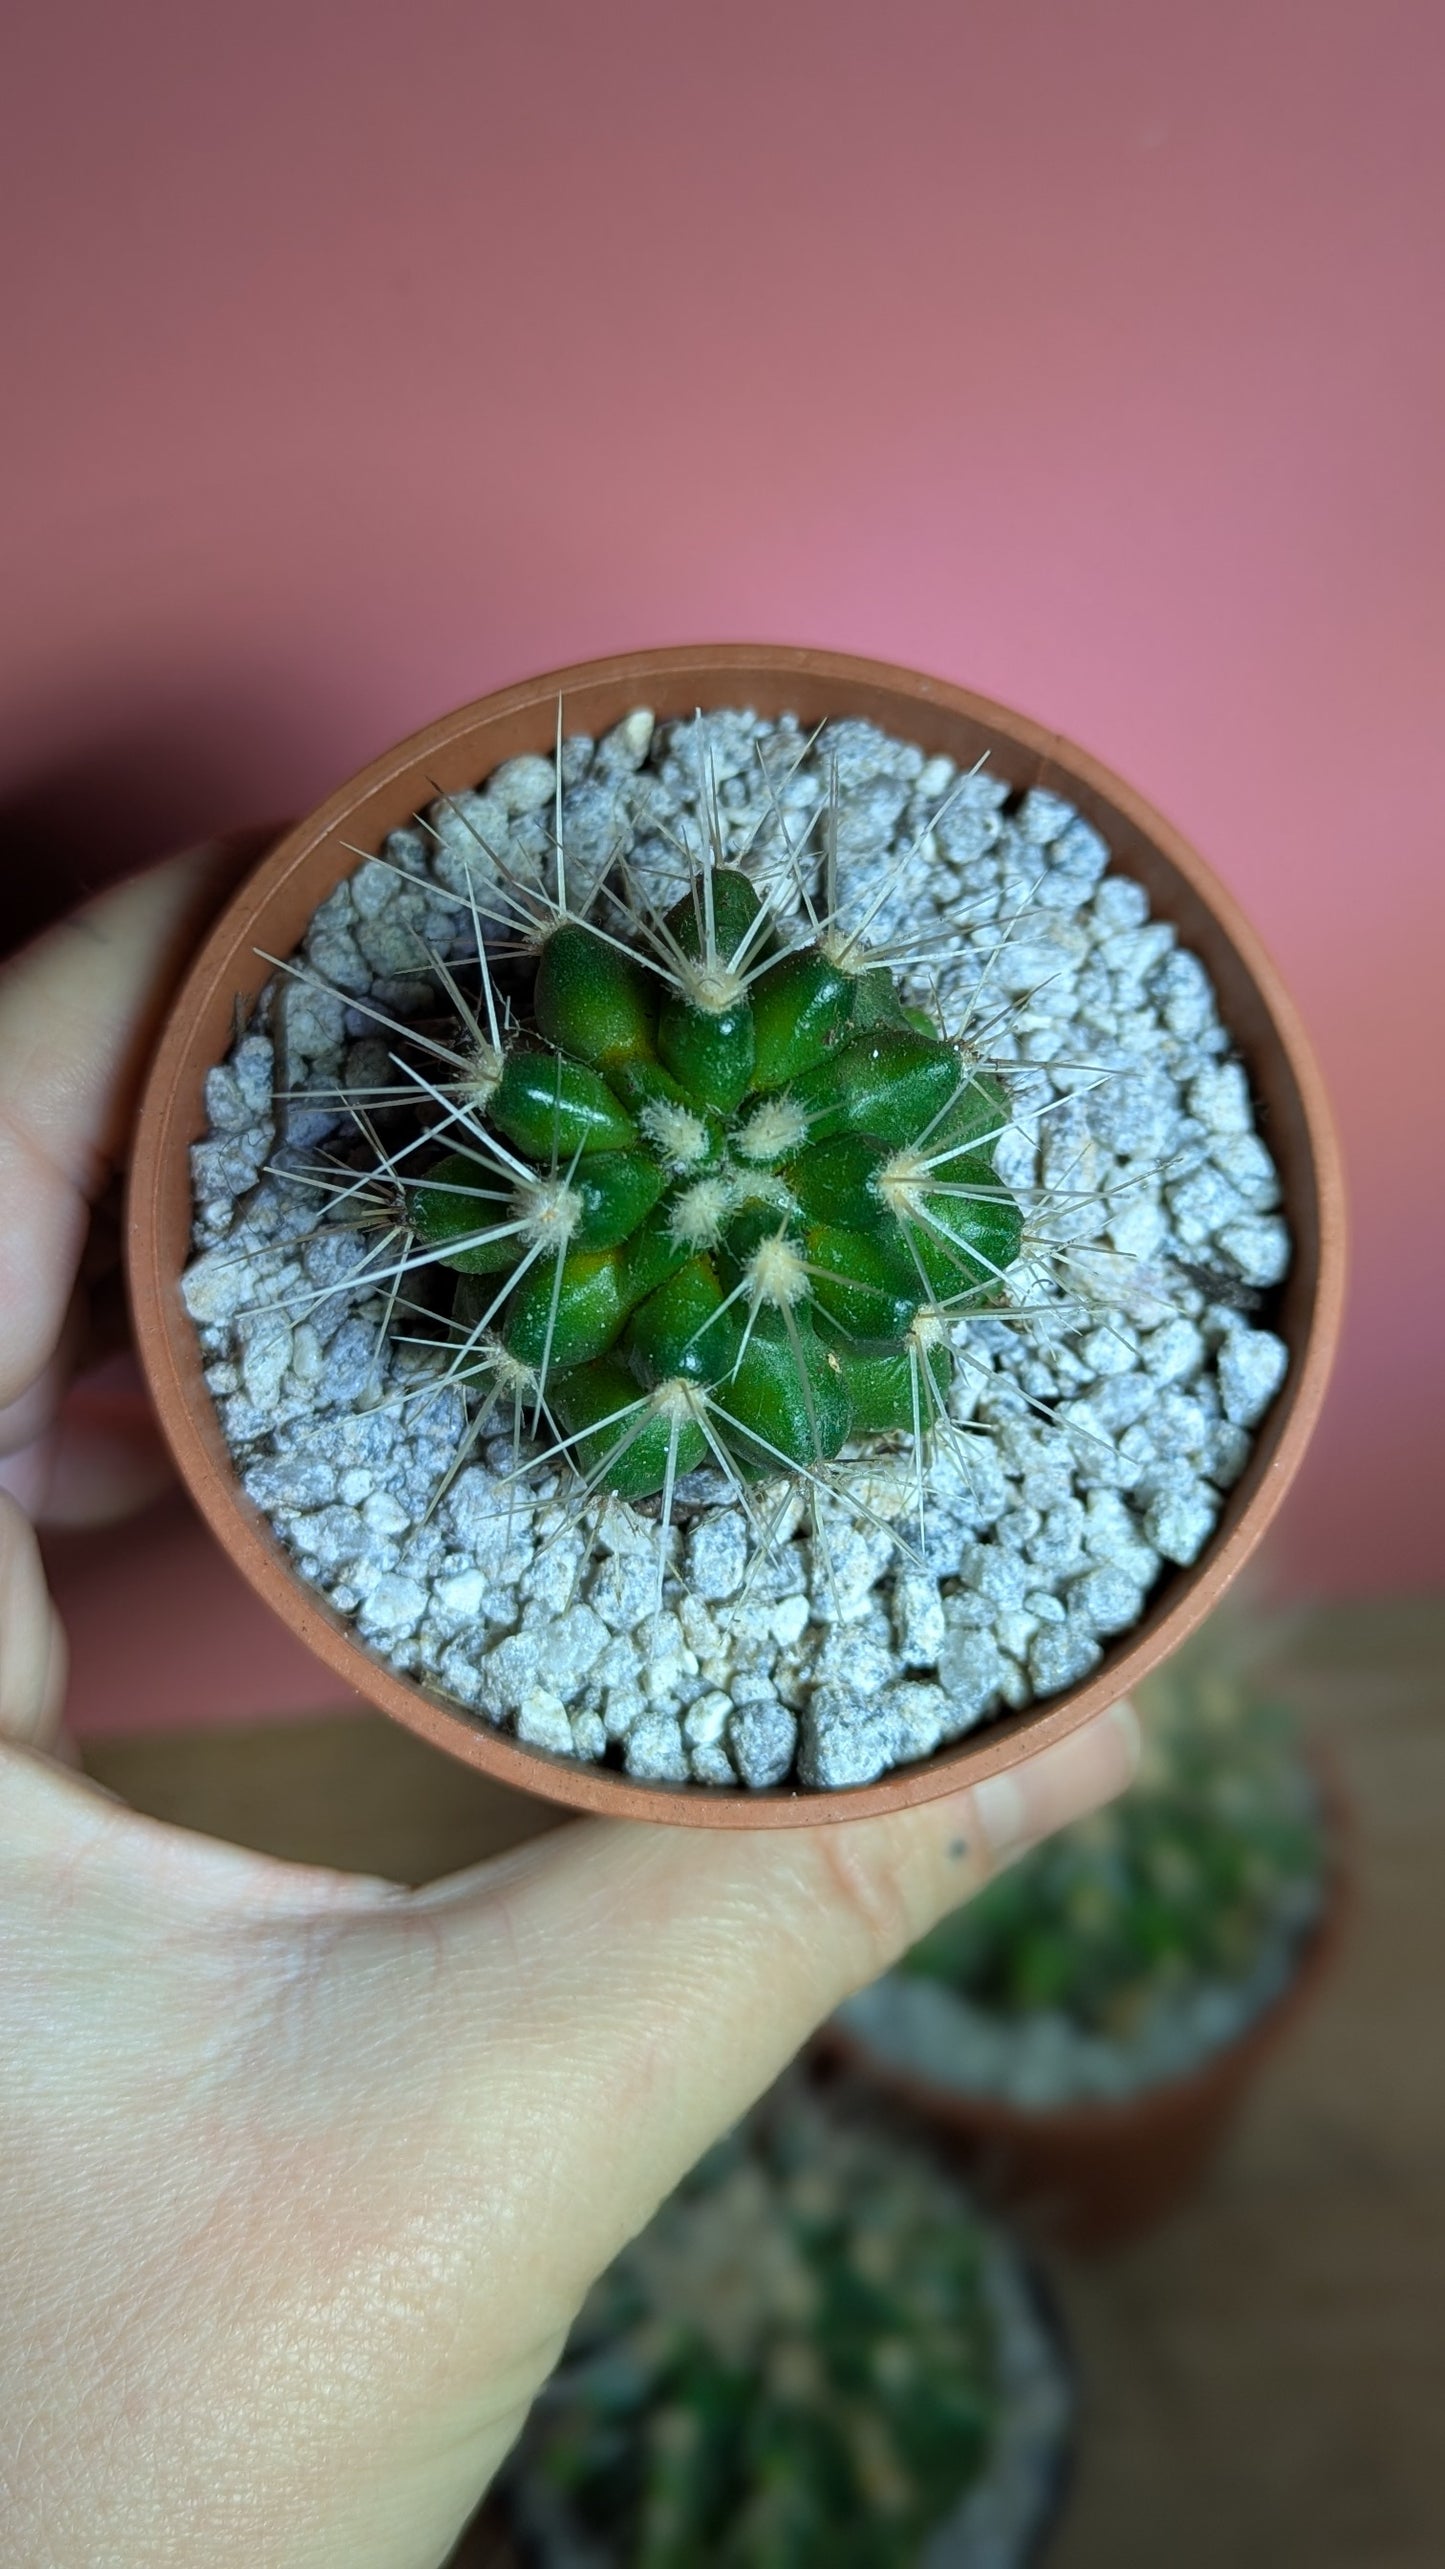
(700, 1214)
(773, 1131)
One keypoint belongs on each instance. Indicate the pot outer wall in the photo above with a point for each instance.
(270, 914)
(1095, 2175)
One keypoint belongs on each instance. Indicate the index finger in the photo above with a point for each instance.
(78, 1014)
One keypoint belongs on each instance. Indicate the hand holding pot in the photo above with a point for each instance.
(306, 2174)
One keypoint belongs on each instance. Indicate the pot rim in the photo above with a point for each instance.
(311, 857)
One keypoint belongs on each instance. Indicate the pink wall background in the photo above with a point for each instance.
(362, 357)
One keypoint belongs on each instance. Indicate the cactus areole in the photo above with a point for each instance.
(710, 1193)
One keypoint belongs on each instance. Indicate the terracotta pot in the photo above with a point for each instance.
(272, 911)
(1096, 2174)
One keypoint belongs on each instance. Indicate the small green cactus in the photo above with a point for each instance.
(712, 1191)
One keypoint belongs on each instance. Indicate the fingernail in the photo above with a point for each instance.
(1001, 1811)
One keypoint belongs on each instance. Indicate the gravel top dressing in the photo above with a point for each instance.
(822, 1628)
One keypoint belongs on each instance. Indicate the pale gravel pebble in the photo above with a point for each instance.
(509, 1673)
(589, 1735)
(542, 1722)
(1058, 1547)
(1202, 1206)
(706, 1721)
(290, 1481)
(1226, 1454)
(1179, 1522)
(1258, 1245)
(569, 1648)
(709, 1763)
(624, 1590)
(1252, 1365)
(1043, 815)
(457, 1676)
(1106, 1601)
(393, 1607)
(217, 1285)
(1111, 1349)
(918, 1622)
(238, 1092)
(550, 1580)
(1219, 1096)
(1175, 1352)
(921, 1713)
(459, 1598)
(623, 749)
(789, 1619)
(973, 1671)
(995, 1573)
(717, 1554)
(763, 1740)
(225, 1169)
(1139, 1225)
(1060, 1654)
(622, 1708)
(847, 1738)
(524, 784)
(656, 1752)
(863, 1660)
(1244, 1161)
(1049, 1539)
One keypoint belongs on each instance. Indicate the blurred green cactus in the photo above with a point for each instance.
(795, 2366)
(1218, 1853)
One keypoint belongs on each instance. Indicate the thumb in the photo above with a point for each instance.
(640, 1986)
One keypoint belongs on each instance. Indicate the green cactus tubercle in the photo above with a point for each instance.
(719, 1207)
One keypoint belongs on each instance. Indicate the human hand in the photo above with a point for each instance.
(305, 2174)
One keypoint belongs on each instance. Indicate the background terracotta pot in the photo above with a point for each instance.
(1092, 2175)
(272, 911)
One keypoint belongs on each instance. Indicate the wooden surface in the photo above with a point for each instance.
(1264, 2379)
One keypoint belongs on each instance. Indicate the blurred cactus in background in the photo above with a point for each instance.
(796, 2366)
(1133, 1945)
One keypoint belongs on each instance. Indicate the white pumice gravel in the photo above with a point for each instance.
(1098, 1446)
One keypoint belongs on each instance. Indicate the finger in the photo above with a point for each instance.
(78, 1011)
(101, 1459)
(82, 1453)
(32, 1642)
(640, 1986)
(25, 1420)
